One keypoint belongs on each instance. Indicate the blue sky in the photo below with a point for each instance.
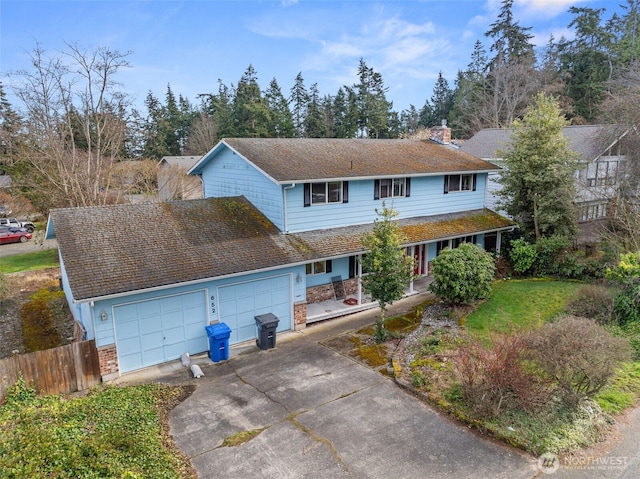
(192, 44)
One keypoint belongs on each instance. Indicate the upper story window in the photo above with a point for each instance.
(602, 173)
(326, 192)
(391, 188)
(454, 183)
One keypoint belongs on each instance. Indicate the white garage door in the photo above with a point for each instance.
(241, 303)
(159, 330)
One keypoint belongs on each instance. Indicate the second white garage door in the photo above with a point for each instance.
(241, 302)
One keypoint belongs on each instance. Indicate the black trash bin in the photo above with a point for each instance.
(266, 324)
(218, 341)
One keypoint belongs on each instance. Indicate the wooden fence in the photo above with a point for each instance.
(66, 369)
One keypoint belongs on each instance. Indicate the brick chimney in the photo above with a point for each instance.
(441, 134)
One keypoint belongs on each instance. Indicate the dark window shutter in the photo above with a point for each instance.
(474, 181)
(446, 184)
(345, 192)
(376, 189)
(307, 194)
(328, 266)
(407, 187)
(352, 266)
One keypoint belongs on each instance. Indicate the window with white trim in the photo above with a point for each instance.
(391, 188)
(326, 192)
(454, 183)
(319, 267)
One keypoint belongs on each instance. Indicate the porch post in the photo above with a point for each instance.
(359, 276)
(413, 255)
(498, 241)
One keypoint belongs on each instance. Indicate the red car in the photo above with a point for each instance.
(14, 235)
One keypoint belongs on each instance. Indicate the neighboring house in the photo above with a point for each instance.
(596, 178)
(173, 181)
(280, 227)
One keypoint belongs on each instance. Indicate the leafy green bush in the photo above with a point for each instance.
(626, 306)
(463, 275)
(523, 255)
(551, 253)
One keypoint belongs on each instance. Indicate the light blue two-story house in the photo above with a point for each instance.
(278, 231)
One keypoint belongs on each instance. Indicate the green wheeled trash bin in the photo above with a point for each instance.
(218, 341)
(266, 324)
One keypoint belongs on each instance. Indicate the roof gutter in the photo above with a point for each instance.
(377, 177)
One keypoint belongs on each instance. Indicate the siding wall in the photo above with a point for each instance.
(426, 198)
(104, 332)
(230, 175)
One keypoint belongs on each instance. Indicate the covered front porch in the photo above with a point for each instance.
(333, 308)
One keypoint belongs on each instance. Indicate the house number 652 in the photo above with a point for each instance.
(213, 304)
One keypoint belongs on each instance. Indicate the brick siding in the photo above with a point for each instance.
(108, 357)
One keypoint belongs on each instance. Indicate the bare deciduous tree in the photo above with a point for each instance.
(75, 120)
(203, 135)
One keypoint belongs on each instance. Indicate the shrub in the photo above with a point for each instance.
(523, 255)
(626, 308)
(494, 378)
(463, 275)
(593, 301)
(577, 354)
(39, 317)
(551, 253)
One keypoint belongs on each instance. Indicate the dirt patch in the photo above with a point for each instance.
(22, 286)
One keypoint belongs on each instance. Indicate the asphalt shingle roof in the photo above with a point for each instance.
(304, 159)
(586, 140)
(346, 240)
(185, 162)
(110, 250)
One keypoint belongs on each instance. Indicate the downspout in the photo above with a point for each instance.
(284, 197)
(202, 184)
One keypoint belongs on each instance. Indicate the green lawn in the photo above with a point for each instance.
(47, 258)
(518, 304)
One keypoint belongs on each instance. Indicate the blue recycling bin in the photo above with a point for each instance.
(218, 341)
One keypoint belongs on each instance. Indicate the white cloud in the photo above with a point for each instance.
(545, 8)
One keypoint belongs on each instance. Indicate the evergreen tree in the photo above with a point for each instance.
(373, 107)
(511, 78)
(10, 133)
(625, 29)
(299, 99)
(409, 121)
(586, 63)
(511, 42)
(314, 126)
(538, 179)
(156, 129)
(250, 110)
(281, 119)
(441, 101)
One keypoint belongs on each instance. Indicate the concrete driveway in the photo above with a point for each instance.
(323, 415)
